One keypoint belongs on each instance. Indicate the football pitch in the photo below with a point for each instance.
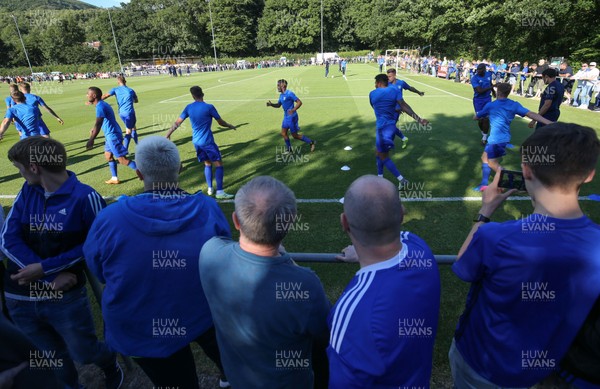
(442, 160)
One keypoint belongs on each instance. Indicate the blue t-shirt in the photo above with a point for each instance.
(483, 82)
(344, 63)
(384, 101)
(554, 92)
(534, 281)
(110, 126)
(501, 113)
(201, 115)
(287, 100)
(26, 119)
(268, 312)
(35, 101)
(9, 102)
(383, 327)
(125, 98)
(525, 70)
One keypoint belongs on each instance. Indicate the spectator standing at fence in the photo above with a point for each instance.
(586, 78)
(145, 315)
(531, 278)
(551, 98)
(532, 81)
(270, 314)
(43, 240)
(565, 74)
(376, 339)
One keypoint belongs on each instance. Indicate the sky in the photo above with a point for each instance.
(106, 3)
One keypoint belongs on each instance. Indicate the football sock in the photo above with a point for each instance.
(208, 175)
(305, 139)
(485, 173)
(288, 145)
(391, 167)
(132, 165)
(126, 141)
(379, 166)
(134, 136)
(112, 165)
(219, 176)
(400, 134)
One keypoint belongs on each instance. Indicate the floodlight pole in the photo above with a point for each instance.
(322, 31)
(212, 28)
(23, 44)
(115, 39)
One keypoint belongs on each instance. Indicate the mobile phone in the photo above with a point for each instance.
(512, 179)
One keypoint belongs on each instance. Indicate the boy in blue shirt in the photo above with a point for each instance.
(290, 104)
(533, 280)
(36, 101)
(113, 145)
(500, 113)
(126, 97)
(23, 115)
(201, 115)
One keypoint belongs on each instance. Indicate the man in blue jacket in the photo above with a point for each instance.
(153, 303)
(45, 285)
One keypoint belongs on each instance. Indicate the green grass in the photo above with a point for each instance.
(443, 160)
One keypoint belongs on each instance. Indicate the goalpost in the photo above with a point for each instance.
(398, 56)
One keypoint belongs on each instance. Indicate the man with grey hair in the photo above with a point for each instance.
(384, 324)
(153, 303)
(269, 313)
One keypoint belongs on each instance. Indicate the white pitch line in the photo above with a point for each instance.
(303, 98)
(217, 86)
(441, 90)
(409, 199)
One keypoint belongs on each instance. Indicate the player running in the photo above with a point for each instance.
(384, 101)
(36, 101)
(394, 82)
(201, 115)
(500, 114)
(113, 146)
(126, 97)
(290, 103)
(24, 116)
(10, 102)
(483, 91)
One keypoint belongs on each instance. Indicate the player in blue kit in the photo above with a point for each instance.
(384, 101)
(383, 327)
(9, 100)
(290, 104)
(403, 85)
(483, 91)
(201, 115)
(113, 146)
(24, 116)
(500, 113)
(36, 101)
(126, 97)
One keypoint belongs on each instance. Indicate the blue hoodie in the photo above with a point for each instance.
(145, 249)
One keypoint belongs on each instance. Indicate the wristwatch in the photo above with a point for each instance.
(481, 218)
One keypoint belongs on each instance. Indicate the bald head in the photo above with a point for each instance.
(373, 210)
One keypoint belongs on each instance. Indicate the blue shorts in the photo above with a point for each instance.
(208, 152)
(129, 119)
(495, 150)
(43, 128)
(384, 138)
(291, 123)
(115, 146)
(480, 103)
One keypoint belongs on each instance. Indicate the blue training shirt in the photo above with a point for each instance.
(26, 119)
(201, 115)
(483, 82)
(35, 101)
(110, 126)
(534, 280)
(501, 113)
(384, 101)
(125, 98)
(287, 100)
(9, 102)
(384, 324)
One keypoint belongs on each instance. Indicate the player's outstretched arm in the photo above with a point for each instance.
(105, 96)
(223, 123)
(276, 105)
(174, 127)
(51, 111)
(415, 90)
(536, 117)
(4, 127)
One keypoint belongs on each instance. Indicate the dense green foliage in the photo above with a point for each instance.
(173, 29)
